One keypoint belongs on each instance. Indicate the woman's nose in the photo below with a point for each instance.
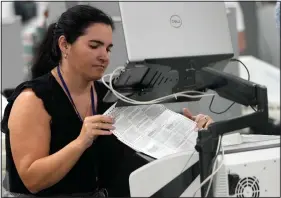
(104, 58)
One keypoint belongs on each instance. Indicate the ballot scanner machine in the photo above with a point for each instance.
(178, 54)
(249, 169)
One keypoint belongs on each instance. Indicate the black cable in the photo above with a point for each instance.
(234, 59)
(210, 106)
(187, 161)
(253, 108)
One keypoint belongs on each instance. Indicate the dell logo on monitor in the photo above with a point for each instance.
(175, 21)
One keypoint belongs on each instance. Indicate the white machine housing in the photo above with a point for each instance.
(254, 158)
(257, 174)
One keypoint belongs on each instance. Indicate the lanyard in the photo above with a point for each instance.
(71, 100)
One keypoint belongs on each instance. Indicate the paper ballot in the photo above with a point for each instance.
(153, 129)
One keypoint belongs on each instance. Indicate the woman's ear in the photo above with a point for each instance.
(64, 46)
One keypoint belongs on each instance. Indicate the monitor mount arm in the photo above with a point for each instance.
(150, 81)
(240, 91)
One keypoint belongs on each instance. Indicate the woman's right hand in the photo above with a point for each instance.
(94, 126)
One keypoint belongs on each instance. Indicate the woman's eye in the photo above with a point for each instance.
(94, 46)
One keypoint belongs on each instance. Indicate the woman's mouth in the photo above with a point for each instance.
(99, 67)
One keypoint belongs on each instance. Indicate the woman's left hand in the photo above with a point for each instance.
(203, 121)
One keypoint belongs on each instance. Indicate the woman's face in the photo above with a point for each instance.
(89, 54)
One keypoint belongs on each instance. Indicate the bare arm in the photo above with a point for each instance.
(29, 125)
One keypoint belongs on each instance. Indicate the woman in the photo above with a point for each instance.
(240, 24)
(58, 142)
(277, 14)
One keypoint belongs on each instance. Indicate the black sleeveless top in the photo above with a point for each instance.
(107, 159)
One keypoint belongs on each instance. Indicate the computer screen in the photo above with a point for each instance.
(156, 30)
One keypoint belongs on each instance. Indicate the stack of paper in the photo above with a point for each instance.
(153, 129)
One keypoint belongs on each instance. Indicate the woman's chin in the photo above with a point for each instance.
(96, 76)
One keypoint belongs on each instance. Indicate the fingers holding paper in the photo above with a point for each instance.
(102, 126)
(188, 114)
(99, 124)
(94, 126)
(203, 121)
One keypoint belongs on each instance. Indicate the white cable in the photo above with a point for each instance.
(158, 100)
(214, 166)
(210, 176)
(129, 100)
(153, 101)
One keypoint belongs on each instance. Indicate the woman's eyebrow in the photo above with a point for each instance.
(101, 43)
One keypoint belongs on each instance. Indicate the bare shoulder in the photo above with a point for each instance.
(27, 96)
(28, 107)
